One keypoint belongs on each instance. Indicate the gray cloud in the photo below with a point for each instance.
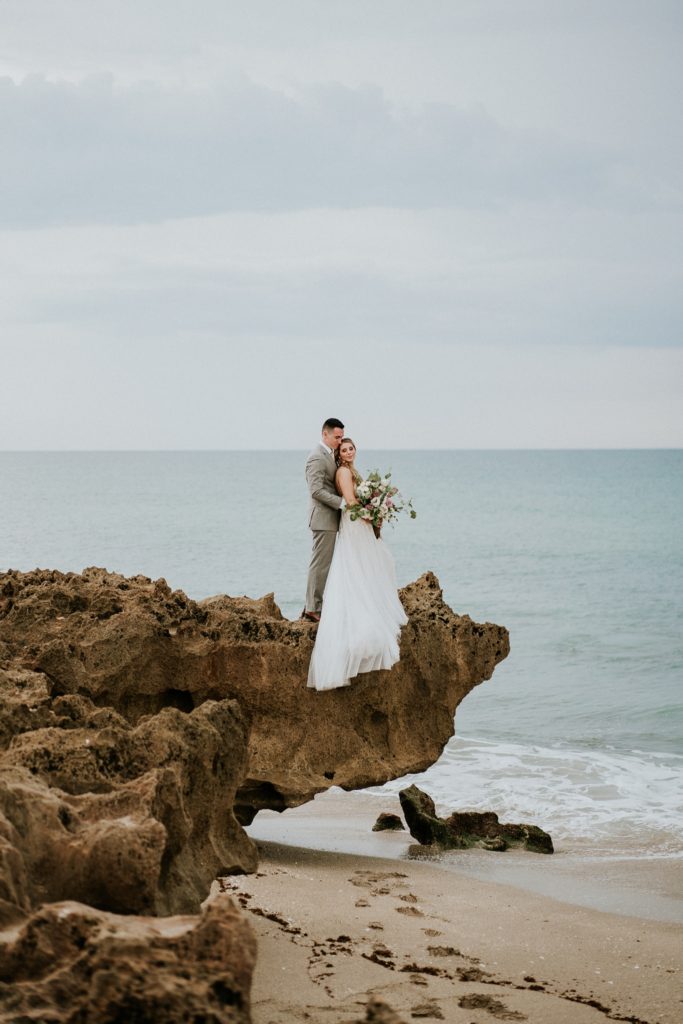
(531, 276)
(70, 28)
(364, 304)
(101, 152)
(206, 211)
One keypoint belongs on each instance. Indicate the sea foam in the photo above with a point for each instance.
(624, 802)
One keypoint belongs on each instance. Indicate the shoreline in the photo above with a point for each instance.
(586, 875)
(335, 929)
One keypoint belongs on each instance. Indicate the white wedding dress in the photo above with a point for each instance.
(362, 616)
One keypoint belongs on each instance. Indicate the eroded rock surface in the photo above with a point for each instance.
(464, 829)
(68, 962)
(387, 822)
(135, 723)
(137, 728)
(133, 819)
(136, 646)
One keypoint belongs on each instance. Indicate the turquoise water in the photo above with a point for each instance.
(579, 554)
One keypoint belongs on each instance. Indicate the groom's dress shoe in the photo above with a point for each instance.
(311, 616)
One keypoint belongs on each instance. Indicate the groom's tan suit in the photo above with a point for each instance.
(323, 520)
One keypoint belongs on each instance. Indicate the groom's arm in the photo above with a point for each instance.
(318, 486)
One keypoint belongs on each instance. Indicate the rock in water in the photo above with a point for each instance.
(464, 829)
(388, 823)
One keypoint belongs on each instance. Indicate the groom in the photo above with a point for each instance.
(324, 509)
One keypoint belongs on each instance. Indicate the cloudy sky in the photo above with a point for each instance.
(452, 223)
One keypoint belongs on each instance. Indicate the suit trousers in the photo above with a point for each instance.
(321, 559)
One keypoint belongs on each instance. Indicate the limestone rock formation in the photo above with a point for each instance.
(136, 646)
(129, 819)
(387, 822)
(138, 728)
(135, 723)
(464, 829)
(68, 962)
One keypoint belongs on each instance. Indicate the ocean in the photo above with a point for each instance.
(578, 553)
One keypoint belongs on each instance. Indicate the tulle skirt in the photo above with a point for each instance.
(362, 616)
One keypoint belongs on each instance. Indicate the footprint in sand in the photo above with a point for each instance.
(427, 1011)
(320, 960)
(473, 974)
(478, 1001)
(382, 950)
(432, 932)
(378, 881)
(441, 950)
(410, 911)
(382, 956)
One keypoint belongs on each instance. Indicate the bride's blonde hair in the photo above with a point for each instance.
(357, 478)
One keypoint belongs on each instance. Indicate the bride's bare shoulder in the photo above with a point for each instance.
(343, 481)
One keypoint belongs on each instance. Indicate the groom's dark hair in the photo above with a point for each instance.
(333, 424)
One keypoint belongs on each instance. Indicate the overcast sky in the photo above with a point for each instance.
(452, 223)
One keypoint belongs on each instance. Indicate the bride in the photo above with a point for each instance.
(362, 616)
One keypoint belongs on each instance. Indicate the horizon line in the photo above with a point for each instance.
(200, 451)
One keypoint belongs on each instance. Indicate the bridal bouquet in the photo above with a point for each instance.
(379, 501)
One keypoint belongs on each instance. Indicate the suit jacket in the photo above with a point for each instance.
(324, 502)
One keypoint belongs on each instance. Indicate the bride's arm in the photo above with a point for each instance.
(344, 481)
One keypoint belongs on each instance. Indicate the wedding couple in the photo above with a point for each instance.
(351, 589)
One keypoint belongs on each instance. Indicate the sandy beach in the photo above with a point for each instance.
(437, 943)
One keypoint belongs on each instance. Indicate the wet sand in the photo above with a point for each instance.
(435, 942)
(586, 873)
